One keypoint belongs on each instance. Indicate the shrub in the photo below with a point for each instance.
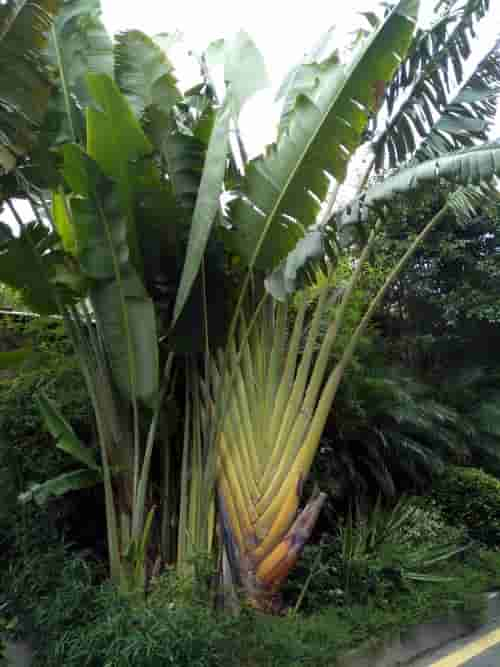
(374, 556)
(53, 368)
(122, 634)
(80, 623)
(74, 617)
(6, 626)
(27, 452)
(471, 497)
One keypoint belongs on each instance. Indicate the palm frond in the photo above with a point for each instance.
(468, 116)
(426, 82)
(475, 168)
(24, 80)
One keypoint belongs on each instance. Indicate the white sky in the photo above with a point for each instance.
(282, 29)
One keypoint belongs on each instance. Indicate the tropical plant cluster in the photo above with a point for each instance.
(79, 621)
(216, 304)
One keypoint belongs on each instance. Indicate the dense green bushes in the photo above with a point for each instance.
(471, 497)
(75, 619)
(375, 556)
(82, 623)
(27, 452)
(120, 634)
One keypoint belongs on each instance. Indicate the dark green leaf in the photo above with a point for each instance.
(15, 358)
(144, 73)
(127, 320)
(66, 438)
(25, 266)
(24, 82)
(207, 205)
(58, 486)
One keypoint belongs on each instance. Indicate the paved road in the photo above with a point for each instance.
(479, 650)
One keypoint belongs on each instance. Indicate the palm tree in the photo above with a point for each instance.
(140, 238)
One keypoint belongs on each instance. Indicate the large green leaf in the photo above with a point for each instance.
(66, 438)
(244, 70)
(127, 319)
(79, 44)
(183, 156)
(80, 172)
(83, 43)
(144, 73)
(207, 204)
(24, 83)
(476, 166)
(302, 78)
(62, 221)
(115, 136)
(98, 223)
(115, 140)
(102, 244)
(123, 309)
(58, 486)
(283, 190)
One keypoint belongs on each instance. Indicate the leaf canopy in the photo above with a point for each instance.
(79, 44)
(423, 88)
(28, 263)
(144, 73)
(282, 191)
(24, 29)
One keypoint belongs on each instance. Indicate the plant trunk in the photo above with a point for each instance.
(260, 573)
